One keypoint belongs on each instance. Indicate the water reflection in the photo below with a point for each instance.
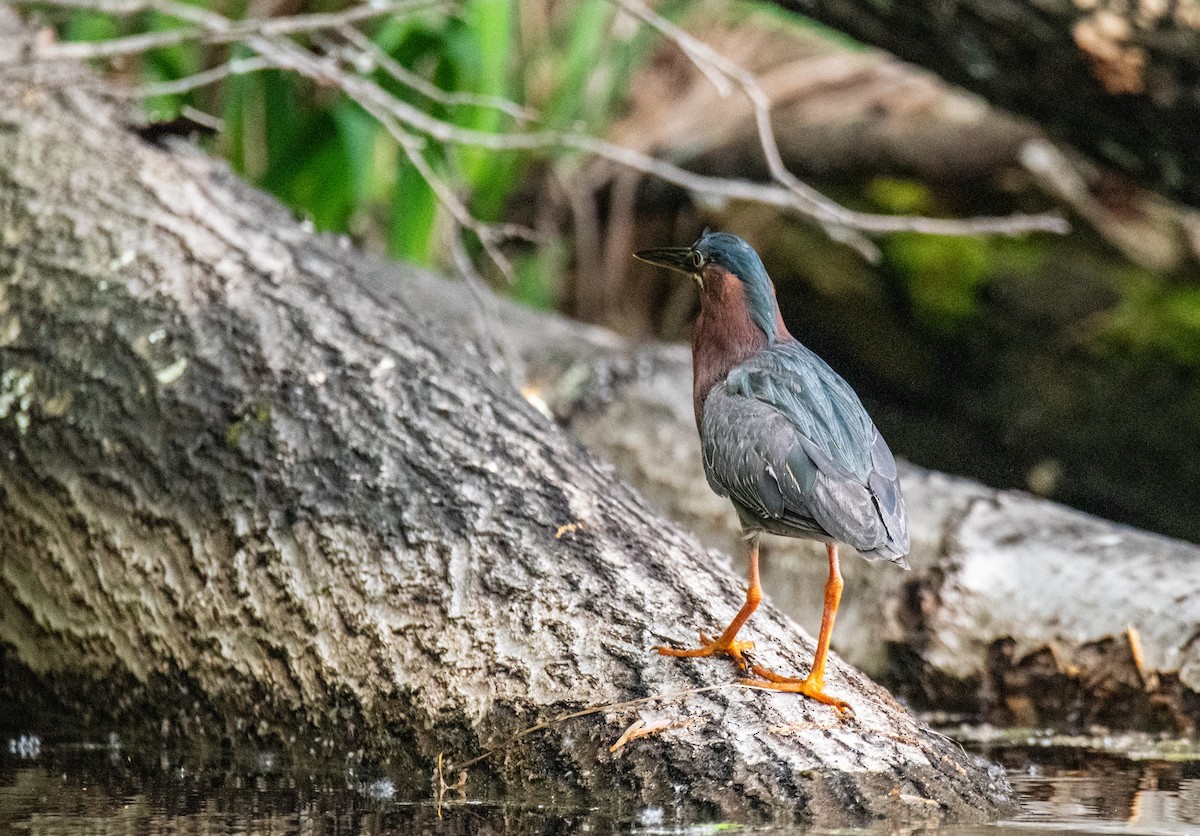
(75, 790)
(70, 791)
(1089, 791)
(58, 789)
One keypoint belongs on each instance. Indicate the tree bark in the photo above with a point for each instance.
(1119, 81)
(250, 482)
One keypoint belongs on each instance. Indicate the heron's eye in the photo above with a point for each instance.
(697, 260)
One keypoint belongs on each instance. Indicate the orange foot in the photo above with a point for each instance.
(810, 687)
(714, 647)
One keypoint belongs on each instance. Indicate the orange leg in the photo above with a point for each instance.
(726, 644)
(814, 684)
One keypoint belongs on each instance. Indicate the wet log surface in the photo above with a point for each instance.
(256, 485)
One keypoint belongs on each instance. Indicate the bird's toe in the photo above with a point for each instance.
(812, 688)
(709, 646)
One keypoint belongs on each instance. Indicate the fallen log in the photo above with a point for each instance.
(254, 485)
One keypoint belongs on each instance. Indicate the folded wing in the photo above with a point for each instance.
(788, 441)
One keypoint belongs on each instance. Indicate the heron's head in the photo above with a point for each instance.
(729, 273)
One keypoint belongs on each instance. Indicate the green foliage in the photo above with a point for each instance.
(167, 64)
(941, 276)
(472, 54)
(481, 48)
(335, 165)
(414, 216)
(574, 67)
(1154, 317)
(535, 282)
(86, 25)
(900, 196)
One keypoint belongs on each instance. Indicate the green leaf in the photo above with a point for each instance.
(1154, 318)
(535, 279)
(900, 196)
(414, 217)
(584, 46)
(86, 25)
(358, 133)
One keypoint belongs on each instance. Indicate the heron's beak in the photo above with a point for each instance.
(673, 258)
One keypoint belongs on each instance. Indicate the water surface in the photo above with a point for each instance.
(1127, 785)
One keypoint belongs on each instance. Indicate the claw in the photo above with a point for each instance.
(713, 647)
(727, 644)
(809, 687)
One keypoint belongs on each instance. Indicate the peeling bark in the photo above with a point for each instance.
(251, 480)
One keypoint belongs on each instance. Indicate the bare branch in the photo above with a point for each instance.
(412, 147)
(235, 31)
(115, 47)
(237, 66)
(406, 122)
(371, 51)
(841, 223)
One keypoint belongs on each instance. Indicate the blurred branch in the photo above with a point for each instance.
(236, 66)
(489, 236)
(369, 50)
(719, 70)
(234, 31)
(410, 125)
(840, 223)
(1143, 225)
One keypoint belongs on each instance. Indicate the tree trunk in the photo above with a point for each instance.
(1119, 81)
(249, 481)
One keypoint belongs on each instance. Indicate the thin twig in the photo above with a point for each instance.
(431, 91)
(713, 64)
(497, 350)
(408, 121)
(412, 148)
(235, 31)
(236, 66)
(364, 90)
(205, 120)
(595, 709)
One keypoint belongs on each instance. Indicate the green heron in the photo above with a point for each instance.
(783, 437)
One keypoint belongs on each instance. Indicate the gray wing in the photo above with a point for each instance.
(788, 441)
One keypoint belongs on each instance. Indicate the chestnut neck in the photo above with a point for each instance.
(726, 334)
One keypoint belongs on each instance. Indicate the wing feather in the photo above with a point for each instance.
(788, 441)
